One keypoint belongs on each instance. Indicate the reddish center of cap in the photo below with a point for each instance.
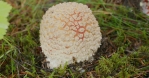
(75, 26)
(146, 1)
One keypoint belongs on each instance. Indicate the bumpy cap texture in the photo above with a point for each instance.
(68, 32)
(145, 6)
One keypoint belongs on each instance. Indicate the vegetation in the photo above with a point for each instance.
(124, 51)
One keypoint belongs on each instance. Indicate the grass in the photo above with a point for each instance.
(123, 53)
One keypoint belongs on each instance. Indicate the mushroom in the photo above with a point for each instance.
(69, 33)
(145, 6)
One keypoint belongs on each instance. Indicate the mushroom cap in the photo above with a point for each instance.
(145, 6)
(69, 33)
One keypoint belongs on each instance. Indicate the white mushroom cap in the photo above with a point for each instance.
(67, 31)
(145, 6)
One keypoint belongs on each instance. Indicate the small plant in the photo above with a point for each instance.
(4, 12)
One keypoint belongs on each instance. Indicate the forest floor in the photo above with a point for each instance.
(124, 52)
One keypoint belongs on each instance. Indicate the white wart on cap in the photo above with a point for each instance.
(67, 31)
